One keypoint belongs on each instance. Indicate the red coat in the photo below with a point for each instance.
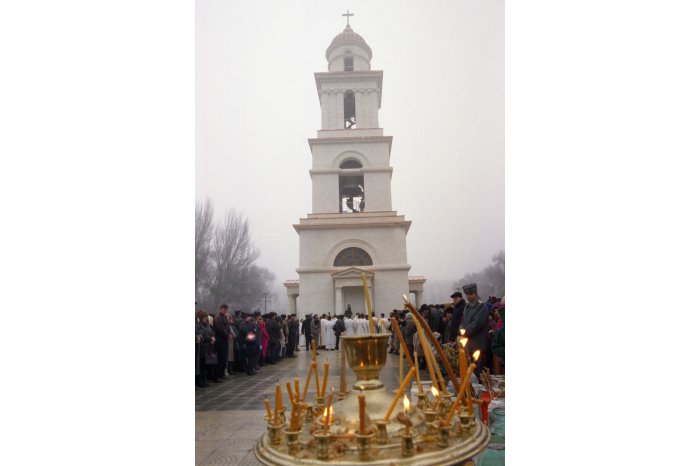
(264, 338)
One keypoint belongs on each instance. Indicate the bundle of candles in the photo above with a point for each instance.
(365, 429)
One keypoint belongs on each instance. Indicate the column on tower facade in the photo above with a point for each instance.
(361, 102)
(292, 304)
(340, 108)
(359, 109)
(324, 114)
(338, 300)
(373, 102)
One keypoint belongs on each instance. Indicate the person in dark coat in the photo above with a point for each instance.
(432, 316)
(315, 326)
(338, 329)
(409, 332)
(292, 335)
(251, 348)
(222, 331)
(458, 304)
(445, 324)
(274, 330)
(206, 346)
(475, 321)
(306, 330)
(197, 340)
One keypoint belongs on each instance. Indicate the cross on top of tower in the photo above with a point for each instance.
(348, 14)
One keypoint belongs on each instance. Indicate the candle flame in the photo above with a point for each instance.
(325, 414)
(463, 342)
(405, 298)
(476, 355)
(435, 391)
(406, 403)
(462, 331)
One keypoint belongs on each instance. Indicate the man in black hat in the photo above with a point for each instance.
(458, 304)
(475, 322)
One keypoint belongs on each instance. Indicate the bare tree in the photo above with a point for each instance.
(232, 256)
(255, 285)
(203, 235)
(225, 270)
(490, 281)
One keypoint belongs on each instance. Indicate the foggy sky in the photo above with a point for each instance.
(442, 101)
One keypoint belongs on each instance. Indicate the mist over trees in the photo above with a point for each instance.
(225, 256)
(491, 280)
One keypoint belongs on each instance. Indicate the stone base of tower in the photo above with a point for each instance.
(327, 285)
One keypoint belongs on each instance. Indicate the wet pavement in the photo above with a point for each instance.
(229, 415)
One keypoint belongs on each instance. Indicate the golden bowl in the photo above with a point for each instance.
(366, 356)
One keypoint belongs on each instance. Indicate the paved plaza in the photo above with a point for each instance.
(229, 415)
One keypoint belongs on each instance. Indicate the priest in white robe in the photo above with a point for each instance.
(328, 334)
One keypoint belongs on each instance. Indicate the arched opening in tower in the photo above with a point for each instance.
(349, 109)
(352, 194)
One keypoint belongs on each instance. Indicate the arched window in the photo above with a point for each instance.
(352, 256)
(350, 163)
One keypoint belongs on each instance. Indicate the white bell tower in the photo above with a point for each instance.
(352, 227)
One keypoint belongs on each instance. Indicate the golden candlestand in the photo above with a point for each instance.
(384, 443)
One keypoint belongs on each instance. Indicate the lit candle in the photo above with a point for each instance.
(308, 378)
(470, 409)
(290, 393)
(406, 407)
(361, 399)
(462, 359)
(267, 407)
(417, 366)
(296, 388)
(399, 392)
(329, 409)
(462, 388)
(325, 378)
(436, 394)
(369, 304)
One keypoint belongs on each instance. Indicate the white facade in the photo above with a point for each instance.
(352, 227)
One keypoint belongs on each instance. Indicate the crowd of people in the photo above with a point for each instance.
(481, 322)
(240, 341)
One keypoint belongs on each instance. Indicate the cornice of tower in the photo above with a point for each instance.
(351, 139)
(330, 221)
(350, 81)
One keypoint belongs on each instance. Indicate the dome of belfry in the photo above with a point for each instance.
(348, 37)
